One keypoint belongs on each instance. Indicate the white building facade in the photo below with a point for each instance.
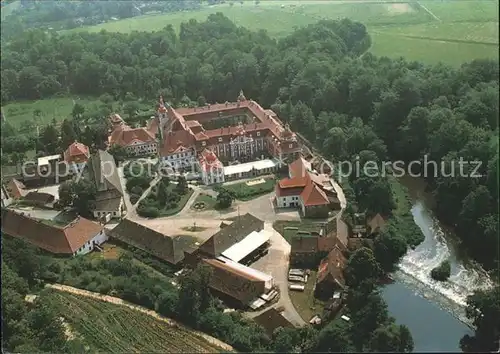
(89, 246)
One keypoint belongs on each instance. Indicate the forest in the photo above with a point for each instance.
(347, 103)
(347, 106)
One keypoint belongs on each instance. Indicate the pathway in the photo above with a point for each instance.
(428, 11)
(276, 264)
(118, 301)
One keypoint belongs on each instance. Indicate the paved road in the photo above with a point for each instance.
(276, 264)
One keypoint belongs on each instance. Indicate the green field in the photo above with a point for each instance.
(58, 108)
(451, 31)
(110, 328)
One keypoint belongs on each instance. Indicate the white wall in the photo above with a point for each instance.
(98, 239)
(284, 202)
(213, 176)
(114, 213)
(182, 159)
(143, 149)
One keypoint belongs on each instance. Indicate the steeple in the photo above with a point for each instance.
(241, 97)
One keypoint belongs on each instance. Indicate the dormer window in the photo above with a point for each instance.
(290, 146)
(220, 140)
(203, 143)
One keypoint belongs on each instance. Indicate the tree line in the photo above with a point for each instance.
(58, 15)
(349, 107)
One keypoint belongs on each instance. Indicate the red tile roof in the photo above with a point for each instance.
(312, 185)
(174, 140)
(55, 239)
(332, 268)
(286, 192)
(124, 135)
(15, 189)
(209, 161)
(265, 121)
(76, 152)
(313, 195)
(293, 182)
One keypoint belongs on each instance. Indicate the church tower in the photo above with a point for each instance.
(241, 96)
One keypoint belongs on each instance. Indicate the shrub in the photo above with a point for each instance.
(136, 190)
(148, 212)
(134, 198)
(442, 272)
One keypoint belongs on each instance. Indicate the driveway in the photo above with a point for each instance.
(275, 263)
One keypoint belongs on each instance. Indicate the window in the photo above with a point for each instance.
(203, 143)
(258, 133)
(220, 140)
(290, 146)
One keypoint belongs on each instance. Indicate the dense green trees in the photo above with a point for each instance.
(483, 308)
(224, 198)
(79, 194)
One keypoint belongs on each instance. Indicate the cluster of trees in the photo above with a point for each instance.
(369, 108)
(138, 176)
(224, 198)
(57, 15)
(79, 194)
(163, 196)
(483, 308)
(442, 271)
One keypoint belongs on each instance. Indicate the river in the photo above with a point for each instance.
(433, 311)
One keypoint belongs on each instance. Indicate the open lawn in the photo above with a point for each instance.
(243, 191)
(58, 108)
(291, 228)
(450, 31)
(208, 201)
(304, 301)
(106, 327)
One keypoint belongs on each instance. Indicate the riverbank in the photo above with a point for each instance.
(442, 299)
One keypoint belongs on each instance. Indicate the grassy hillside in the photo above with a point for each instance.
(105, 327)
(452, 31)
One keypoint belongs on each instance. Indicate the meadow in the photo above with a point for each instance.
(431, 31)
(106, 327)
(59, 108)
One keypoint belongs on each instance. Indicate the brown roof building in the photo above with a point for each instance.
(331, 272)
(271, 320)
(137, 141)
(230, 234)
(312, 192)
(15, 189)
(76, 153)
(164, 247)
(309, 250)
(102, 171)
(233, 280)
(185, 129)
(70, 239)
